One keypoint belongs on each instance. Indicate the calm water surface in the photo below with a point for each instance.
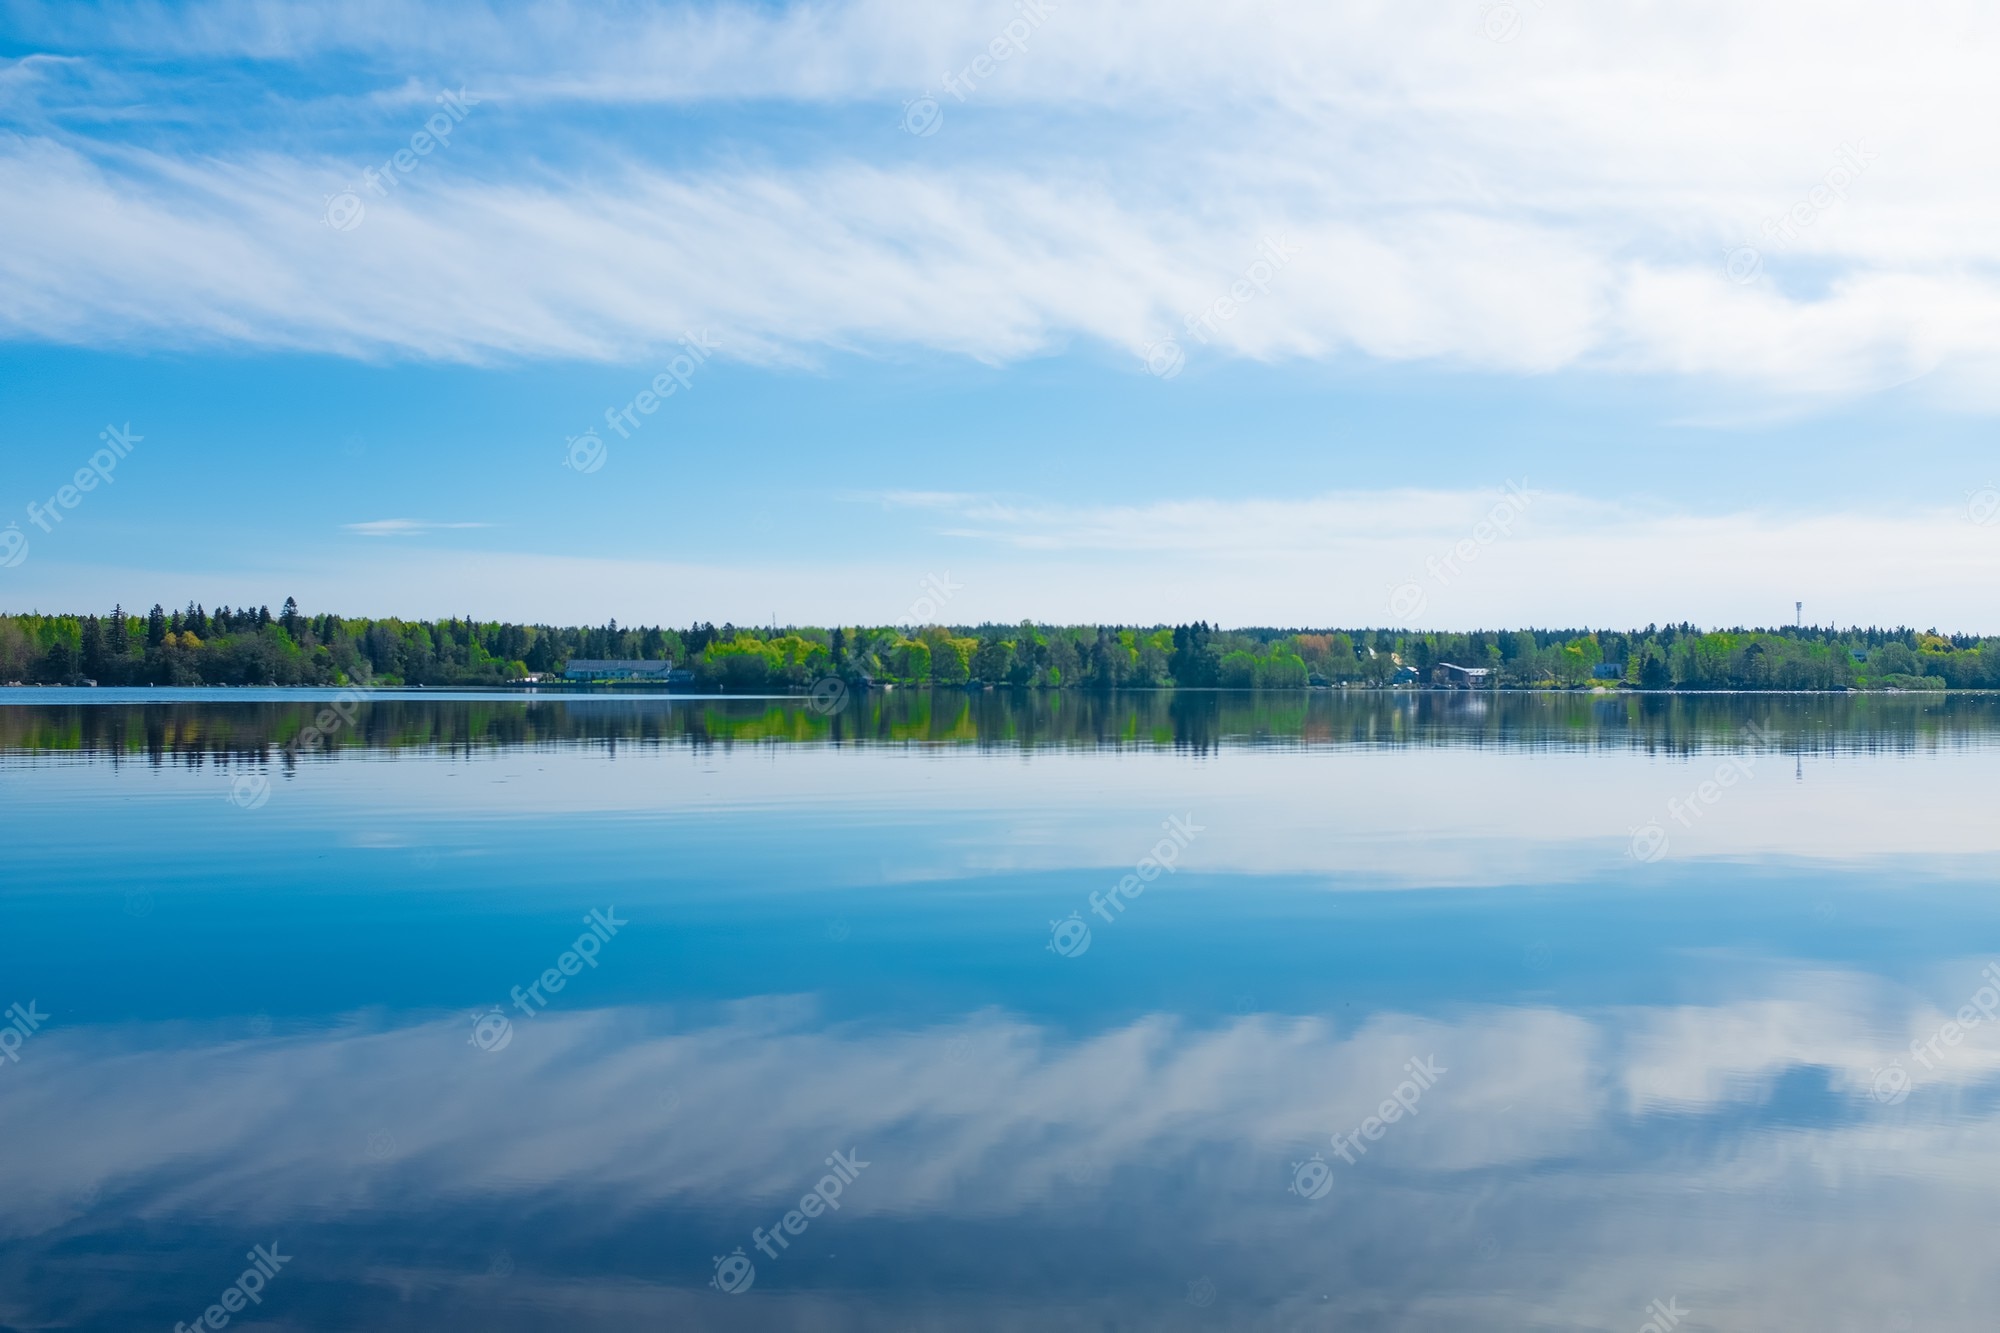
(1682, 999)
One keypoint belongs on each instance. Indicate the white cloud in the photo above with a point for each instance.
(1333, 559)
(1562, 199)
(988, 1124)
(405, 527)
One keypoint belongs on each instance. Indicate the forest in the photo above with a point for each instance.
(251, 646)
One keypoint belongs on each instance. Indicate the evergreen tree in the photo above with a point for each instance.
(92, 645)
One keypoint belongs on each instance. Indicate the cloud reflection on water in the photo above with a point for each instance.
(1755, 1114)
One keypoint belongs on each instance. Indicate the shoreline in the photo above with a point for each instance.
(637, 690)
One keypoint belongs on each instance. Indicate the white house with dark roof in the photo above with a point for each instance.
(589, 668)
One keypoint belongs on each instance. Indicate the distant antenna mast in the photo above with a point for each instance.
(1799, 613)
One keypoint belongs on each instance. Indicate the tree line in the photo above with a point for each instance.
(251, 646)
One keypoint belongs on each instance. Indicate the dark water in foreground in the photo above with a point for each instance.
(1678, 1013)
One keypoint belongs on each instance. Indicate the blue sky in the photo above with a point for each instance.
(1712, 289)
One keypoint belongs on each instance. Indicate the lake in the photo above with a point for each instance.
(1360, 1011)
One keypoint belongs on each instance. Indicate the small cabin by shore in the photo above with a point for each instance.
(630, 669)
(1461, 678)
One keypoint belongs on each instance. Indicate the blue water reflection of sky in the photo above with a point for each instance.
(1689, 1079)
